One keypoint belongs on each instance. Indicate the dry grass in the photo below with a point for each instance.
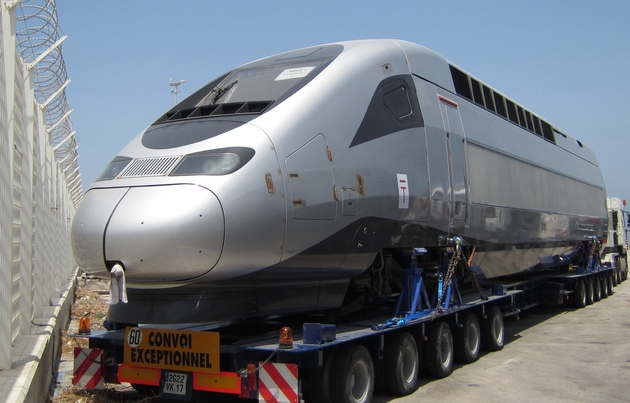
(86, 303)
(95, 305)
(110, 395)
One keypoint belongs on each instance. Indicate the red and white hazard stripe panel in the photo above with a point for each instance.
(88, 371)
(278, 383)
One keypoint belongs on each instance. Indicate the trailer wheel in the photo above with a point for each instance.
(319, 390)
(589, 291)
(579, 295)
(597, 288)
(352, 376)
(401, 364)
(604, 283)
(611, 284)
(616, 270)
(468, 340)
(439, 351)
(492, 330)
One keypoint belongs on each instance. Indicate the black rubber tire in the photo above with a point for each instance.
(467, 340)
(401, 364)
(579, 295)
(611, 283)
(617, 276)
(352, 376)
(439, 351)
(492, 329)
(589, 291)
(616, 271)
(319, 390)
(603, 281)
(597, 288)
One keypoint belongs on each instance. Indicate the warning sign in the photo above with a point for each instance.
(278, 383)
(88, 368)
(172, 349)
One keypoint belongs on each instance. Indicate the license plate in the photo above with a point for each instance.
(175, 383)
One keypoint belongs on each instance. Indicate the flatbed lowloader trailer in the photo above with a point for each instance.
(308, 358)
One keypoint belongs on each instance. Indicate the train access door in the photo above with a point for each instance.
(311, 181)
(456, 158)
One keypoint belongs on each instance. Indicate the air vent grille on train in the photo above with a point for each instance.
(228, 108)
(157, 166)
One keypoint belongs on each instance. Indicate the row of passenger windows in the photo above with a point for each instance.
(485, 97)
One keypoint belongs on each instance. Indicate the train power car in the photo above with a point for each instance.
(297, 183)
(384, 205)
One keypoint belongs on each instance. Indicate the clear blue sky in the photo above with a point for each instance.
(566, 60)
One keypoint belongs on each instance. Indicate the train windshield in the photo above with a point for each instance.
(256, 87)
(242, 94)
(262, 83)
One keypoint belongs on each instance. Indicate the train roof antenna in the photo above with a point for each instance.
(175, 84)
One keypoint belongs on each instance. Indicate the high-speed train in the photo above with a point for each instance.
(300, 182)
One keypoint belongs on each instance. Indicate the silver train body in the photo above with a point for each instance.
(273, 188)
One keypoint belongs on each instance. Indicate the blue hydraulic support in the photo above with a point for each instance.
(590, 256)
(413, 302)
(568, 258)
(413, 296)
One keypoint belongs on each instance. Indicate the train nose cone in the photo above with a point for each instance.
(89, 225)
(165, 233)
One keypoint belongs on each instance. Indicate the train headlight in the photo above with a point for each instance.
(210, 163)
(220, 164)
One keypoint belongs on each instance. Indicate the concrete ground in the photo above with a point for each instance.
(551, 355)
